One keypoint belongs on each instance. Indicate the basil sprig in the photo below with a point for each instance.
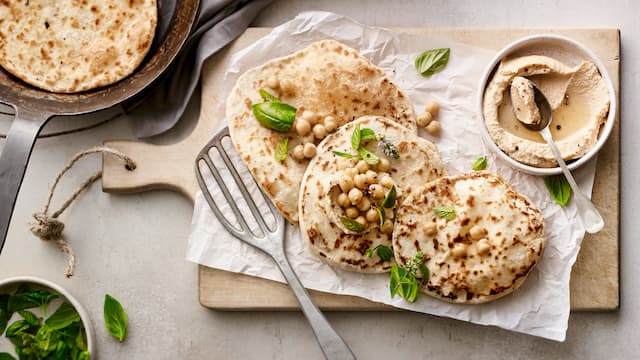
(445, 212)
(358, 137)
(558, 188)
(273, 114)
(431, 61)
(403, 280)
(115, 319)
(384, 252)
(390, 199)
(281, 150)
(479, 164)
(351, 224)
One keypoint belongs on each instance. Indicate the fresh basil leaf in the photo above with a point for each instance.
(355, 138)
(384, 252)
(346, 155)
(352, 224)
(29, 317)
(275, 115)
(22, 301)
(390, 199)
(281, 150)
(369, 157)
(380, 212)
(46, 339)
(6, 356)
(115, 318)
(17, 327)
(266, 96)
(445, 212)
(63, 317)
(81, 339)
(5, 314)
(431, 61)
(425, 273)
(369, 252)
(479, 164)
(367, 134)
(559, 188)
(403, 283)
(83, 355)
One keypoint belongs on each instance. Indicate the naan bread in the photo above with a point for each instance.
(327, 78)
(419, 163)
(69, 46)
(514, 232)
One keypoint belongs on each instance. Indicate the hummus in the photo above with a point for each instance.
(578, 97)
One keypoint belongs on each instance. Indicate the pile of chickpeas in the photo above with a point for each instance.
(364, 188)
(426, 119)
(310, 126)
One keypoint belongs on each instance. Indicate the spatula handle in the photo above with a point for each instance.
(13, 162)
(332, 345)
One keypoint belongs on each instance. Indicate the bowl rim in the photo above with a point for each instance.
(605, 132)
(84, 315)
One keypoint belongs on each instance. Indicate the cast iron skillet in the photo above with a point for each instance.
(34, 107)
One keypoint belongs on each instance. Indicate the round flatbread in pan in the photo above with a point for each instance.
(326, 78)
(418, 163)
(480, 239)
(69, 46)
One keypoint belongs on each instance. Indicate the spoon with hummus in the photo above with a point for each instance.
(533, 110)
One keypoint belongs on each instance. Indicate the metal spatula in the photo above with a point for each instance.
(270, 240)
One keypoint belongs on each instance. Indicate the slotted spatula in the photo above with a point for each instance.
(269, 241)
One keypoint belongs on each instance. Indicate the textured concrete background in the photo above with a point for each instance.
(132, 246)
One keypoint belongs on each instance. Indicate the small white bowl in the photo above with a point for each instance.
(9, 285)
(564, 50)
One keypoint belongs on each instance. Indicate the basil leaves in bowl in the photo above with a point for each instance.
(41, 320)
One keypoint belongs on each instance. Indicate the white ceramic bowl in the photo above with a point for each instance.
(9, 285)
(567, 51)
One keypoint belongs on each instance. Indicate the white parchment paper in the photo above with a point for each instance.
(540, 307)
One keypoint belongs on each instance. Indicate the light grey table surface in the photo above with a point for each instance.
(132, 246)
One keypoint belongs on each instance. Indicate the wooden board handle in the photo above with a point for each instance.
(167, 167)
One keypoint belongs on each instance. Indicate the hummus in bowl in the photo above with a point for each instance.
(579, 91)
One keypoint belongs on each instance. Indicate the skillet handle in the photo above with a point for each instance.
(14, 159)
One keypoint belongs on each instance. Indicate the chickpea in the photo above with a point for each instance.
(308, 139)
(355, 196)
(360, 181)
(459, 250)
(376, 192)
(302, 127)
(309, 150)
(483, 246)
(387, 182)
(343, 200)
(433, 108)
(389, 214)
(310, 116)
(434, 128)
(362, 166)
(351, 172)
(372, 215)
(372, 177)
(319, 131)
(431, 228)
(298, 152)
(424, 119)
(352, 212)
(364, 204)
(384, 164)
(361, 220)
(387, 227)
(330, 123)
(477, 232)
(273, 82)
(346, 183)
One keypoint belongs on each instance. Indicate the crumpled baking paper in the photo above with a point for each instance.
(539, 307)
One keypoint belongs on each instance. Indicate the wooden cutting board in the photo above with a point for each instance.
(595, 277)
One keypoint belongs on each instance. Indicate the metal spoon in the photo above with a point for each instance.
(589, 215)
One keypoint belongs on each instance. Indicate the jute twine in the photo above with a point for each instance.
(48, 227)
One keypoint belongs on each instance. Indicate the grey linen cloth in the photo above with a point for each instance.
(217, 24)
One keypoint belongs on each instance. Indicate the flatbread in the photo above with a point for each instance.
(515, 232)
(69, 46)
(327, 78)
(418, 163)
